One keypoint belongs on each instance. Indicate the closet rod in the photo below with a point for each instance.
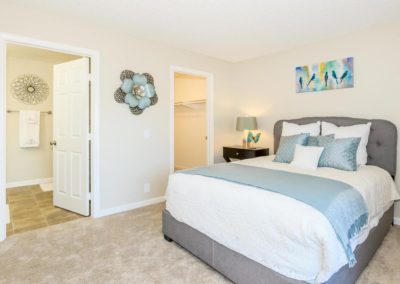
(48, 112)
(190, 102)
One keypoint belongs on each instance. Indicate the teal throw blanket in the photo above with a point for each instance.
(342, 205)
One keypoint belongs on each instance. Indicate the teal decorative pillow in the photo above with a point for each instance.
(316, 141)
(287, 146)
(340, 154)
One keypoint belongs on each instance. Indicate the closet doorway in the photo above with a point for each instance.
(191, 119)
(47, 147)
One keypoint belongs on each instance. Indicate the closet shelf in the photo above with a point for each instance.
(188, 103)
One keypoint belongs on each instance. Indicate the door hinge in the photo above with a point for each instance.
(89, 136)
(89, 196)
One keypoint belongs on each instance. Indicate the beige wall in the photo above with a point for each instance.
(128, 161)
(190, 125)
(266, 86)
(26, 164)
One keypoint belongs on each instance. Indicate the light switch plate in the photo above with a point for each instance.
(147, 134)
(146, 187)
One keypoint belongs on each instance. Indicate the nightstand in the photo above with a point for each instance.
(241, 153)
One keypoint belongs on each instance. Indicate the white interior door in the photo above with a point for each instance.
(71, 136)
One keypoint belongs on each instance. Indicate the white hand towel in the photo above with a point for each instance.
(29, 128)
(31, 117)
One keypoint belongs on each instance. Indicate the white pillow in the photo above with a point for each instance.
(306, 157)
(289, 129)
(357, 130)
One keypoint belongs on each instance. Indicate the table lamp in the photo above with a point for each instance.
(246, 123)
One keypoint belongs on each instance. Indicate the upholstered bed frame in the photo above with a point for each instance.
(382, 152)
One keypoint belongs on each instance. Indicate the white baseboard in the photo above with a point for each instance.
(130, 206)
(396, 221)
(28, 182)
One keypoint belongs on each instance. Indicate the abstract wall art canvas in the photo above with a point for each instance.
(329, 75)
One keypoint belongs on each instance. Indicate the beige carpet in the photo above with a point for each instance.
(129, 248)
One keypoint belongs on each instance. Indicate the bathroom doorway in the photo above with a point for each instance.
(45, 159)
(92, 185)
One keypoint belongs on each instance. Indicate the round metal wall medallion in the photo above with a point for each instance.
(29, 89)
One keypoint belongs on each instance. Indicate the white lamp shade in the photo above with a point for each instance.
(246, 123)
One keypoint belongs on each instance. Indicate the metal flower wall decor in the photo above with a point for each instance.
(29, 89)
(137, 91)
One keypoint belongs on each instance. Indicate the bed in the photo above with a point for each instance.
(267, 243)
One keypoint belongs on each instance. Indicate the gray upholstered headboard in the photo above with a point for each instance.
(382, 143)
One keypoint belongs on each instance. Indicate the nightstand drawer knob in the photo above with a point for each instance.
(237, 154)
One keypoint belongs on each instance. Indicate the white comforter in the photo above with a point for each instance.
(279, 232)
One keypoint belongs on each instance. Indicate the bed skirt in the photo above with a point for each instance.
(241, 269)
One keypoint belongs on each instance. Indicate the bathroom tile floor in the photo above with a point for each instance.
(31, 208)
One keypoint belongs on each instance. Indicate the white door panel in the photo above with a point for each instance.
(71, 132)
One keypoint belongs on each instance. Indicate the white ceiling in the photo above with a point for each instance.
(232, 30)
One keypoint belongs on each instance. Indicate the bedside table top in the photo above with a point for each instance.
(244, 148)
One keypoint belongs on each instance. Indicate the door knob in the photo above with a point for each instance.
(53, 143)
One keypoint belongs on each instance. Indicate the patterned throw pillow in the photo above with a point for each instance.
(316, 141)
(340, 154)
(287, 146)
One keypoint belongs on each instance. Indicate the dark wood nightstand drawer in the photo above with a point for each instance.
(240, 153)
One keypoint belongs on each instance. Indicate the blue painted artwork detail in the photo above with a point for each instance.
(330, 75)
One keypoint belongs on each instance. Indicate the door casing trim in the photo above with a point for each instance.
(209, 108)
(94, 56)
